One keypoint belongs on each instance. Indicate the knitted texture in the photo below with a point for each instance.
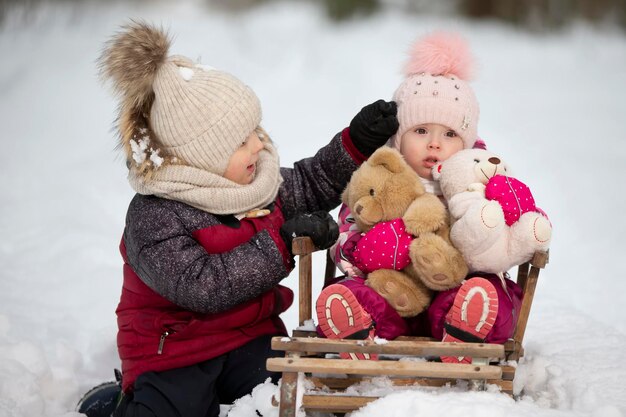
(436, 89)
(202, 116)
(211, 192)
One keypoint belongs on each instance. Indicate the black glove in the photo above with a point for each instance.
(373, 126)
(319, 226)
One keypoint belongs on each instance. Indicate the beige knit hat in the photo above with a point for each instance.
(197, 114)
(180, 122)
(201, 115)
(436, 88)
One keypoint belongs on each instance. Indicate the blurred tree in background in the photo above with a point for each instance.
(542, 14)
(532, 14)
(344, 9)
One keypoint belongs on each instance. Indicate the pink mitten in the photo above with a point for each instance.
(513, 195)
(385, 246)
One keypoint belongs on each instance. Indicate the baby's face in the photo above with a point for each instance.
(242, 164)
(424, 145)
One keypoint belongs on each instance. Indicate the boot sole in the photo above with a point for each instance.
(340, 316)
(473, 312)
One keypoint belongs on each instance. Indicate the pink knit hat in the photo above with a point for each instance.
(436, 88)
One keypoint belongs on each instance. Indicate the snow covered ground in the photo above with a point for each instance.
(553, 105)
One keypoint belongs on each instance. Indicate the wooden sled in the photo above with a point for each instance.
(305, 362)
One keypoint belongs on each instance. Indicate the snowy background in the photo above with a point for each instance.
(553, 105)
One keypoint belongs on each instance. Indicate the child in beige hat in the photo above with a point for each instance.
(208, 234)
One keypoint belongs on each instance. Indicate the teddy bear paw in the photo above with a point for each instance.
(542, 229)
(491, 215)
(393, 293)
(437, 263)
(404, 295)
(396, 297)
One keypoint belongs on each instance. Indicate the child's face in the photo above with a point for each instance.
(242, 164)
(424, 145)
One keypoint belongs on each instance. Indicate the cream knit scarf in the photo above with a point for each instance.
(211, 192)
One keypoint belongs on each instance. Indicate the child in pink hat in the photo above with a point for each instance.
(438, 116)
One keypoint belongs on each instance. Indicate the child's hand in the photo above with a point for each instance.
(373, 126)
(319, 226)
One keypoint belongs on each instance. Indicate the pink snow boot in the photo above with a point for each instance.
(341, 316)
(472, 315)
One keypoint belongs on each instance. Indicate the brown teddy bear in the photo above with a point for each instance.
(405, 247)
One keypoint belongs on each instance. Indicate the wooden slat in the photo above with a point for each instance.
(505, 386)
(303, 333)
(527, 276)
(396, 347)
(312, 333)
(288, 394)
(527, 301)
(508, 372)
(416, 339)
(540, 259)
(522, 274)
(302, 246)
(305, 287)
(509, 346)
(334, 403)
(341, 384)
(404, 368)
(344, 403)
(513, 350)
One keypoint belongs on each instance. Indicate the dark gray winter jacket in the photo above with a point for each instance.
(197, 285)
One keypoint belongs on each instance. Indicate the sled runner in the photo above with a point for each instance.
(315, 362)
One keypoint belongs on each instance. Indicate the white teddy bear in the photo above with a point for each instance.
(495, 223)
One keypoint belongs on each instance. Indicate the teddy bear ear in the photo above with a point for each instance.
(389, 159)
(436, 170)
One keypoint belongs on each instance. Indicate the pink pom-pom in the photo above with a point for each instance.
(441, 54)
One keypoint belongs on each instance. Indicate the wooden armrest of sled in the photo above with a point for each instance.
(303, 247)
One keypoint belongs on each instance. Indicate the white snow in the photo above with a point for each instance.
(186, 73)
(380, 340)
(139, 149)
(552, 104)
(156, 160)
